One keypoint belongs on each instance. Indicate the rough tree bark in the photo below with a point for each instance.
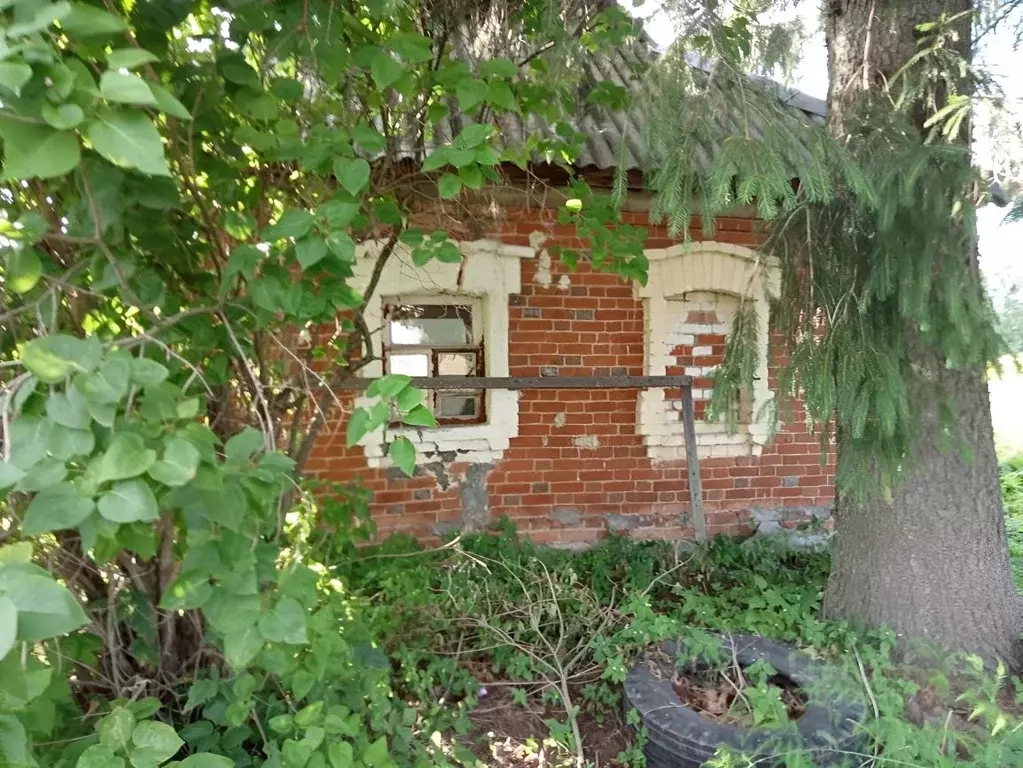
(933, 563)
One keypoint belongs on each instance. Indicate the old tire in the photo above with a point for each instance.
(679, 737)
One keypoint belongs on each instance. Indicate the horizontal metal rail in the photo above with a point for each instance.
(536, 382)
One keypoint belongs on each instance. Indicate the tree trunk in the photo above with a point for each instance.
(933, 561)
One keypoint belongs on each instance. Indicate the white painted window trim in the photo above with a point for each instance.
(719, 268)
(491, 274)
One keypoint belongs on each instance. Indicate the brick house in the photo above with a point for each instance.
(568, 466)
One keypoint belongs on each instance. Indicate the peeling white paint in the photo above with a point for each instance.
(564, 283)
(543, 276)
(586, 441)
(560, 420)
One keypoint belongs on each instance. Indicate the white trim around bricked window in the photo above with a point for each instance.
(706, 267)
(491, 273)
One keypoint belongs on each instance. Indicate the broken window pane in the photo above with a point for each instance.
(456, 364)
(431, 324)
(411, 365)
(452, 405)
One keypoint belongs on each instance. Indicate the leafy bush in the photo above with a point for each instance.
(1011, 475)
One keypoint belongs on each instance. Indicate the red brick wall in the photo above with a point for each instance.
(578, 468)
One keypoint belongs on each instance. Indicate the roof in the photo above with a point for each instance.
(609, 133)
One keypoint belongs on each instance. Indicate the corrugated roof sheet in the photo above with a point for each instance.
(610, 133)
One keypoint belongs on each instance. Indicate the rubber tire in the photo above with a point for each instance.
(679, 737)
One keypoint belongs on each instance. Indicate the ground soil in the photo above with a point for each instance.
(506, 734)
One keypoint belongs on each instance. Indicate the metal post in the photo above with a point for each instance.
(693, 461)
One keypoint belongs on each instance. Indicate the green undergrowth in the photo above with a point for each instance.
(492, 619)
(1011, 474)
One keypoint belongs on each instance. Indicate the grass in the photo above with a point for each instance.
(515, 654)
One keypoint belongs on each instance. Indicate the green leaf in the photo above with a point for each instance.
(470, 92)
(8, 626)
(387, 387)
(403, 454)
(385, 69)
(206, 760)
(37, 151)
(9, 474)
(310, 250)
(462, 157)
(24, 268)
(244, 260)
(45, 15)
(56, 508)
(52, 358)
(44, 474)
(125, 88)
(99, 756)
(499, 67)
(126, 457)
(179, 463)
(420, 416)
(102, 413)
(487, 155)
(128, 502)
(287, 89)
(368, 138)
(88, 21)
(341, 754)
(130, 58)
(409, 398)
(155, 743)
(19, 552)
(376, 753)
(281, 723)
(338, 213)
(68, 409)
(116, 728)
(499, 93)
(186, 592)
(471, 176)
(241, 646)
(475, 134)
(107, 385)
(293, 223)
(358, 426)
(387, 211)
(285, 623)
(352, 173)
(412, 47)
(146, 372)
(449, 186)
(13, 75)
(341, 246)
(200, 692)
(128, 139)
(243, 445)
(63, 117)
(437, 159)
(167, 103)
(14, 743)
(45, 608)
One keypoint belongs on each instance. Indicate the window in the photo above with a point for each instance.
(422, 338)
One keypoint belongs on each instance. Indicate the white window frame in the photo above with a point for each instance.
(476, 308)
(707, 267)
(491, 272)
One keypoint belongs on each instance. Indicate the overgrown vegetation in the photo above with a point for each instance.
(1011, 474)
(189, 194)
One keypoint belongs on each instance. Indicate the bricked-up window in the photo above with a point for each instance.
(423, 338)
